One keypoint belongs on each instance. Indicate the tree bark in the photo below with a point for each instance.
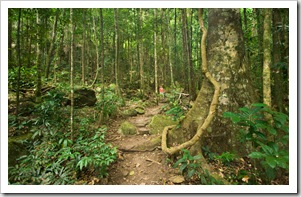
(50, 51)
(116, 52)
(71, 75)
(140, 51)
(267, 58)
(186, 55)
(97, 52)
(278, 89)
(83, 47)
(19, 65)
(102, 64)
(155, 52)
(10, 39)
(38, 61)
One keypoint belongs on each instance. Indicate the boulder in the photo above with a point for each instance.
(127, 128)
(139, 110)
(158, 123)
(83, 97)
(16, 148)
(129, 113)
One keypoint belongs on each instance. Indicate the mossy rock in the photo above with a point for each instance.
(127, 128)
(158, 123)
(16, 148)
(129, 113)
(140, 110)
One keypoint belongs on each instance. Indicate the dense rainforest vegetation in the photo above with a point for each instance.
(148, 96)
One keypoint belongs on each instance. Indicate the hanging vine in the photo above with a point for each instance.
(213, 105)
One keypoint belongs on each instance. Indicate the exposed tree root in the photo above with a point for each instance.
(213, 105)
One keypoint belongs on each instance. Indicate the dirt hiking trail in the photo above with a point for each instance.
(135, 166)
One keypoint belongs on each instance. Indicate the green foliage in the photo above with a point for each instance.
(59, 160)
(226, 158)
(191, 167)
(176, 112)
(188, 164)
(56, 159)
(94, 153)
(49, 115)
(110, 103)
(269, 138)
(27, 79)
(211, 156)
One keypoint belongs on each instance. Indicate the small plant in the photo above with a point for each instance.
(188, 164)
(190, 167)
(177, 112)
(211, 156)
(268, 137)
(226, 158)
(110, 103)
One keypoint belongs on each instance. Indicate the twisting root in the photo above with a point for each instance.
(213, 105)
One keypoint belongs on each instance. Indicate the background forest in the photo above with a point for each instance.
(74, 76)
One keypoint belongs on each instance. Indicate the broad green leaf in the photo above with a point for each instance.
(256, 155)
(259, 105)
(182, 167)
(234, 117)
(191, 173)
(271, 161)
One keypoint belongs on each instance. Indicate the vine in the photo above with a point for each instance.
(214, 102)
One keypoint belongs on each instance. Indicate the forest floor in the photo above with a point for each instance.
(139, 167)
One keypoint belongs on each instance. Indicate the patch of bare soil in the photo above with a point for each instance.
(136, 166)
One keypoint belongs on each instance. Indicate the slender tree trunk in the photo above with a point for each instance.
(10, 39)
(260, 50)
(38, 61)
(170, 50)
(71, 75)
(186, 56)
(97, 52)
(83, 46)
(155, 52)
(19, 65)
(50, 51)
(140, 51)
(116, 51)
(175, 40)
(102, 63)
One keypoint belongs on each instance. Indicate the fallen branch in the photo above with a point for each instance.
(147, 159)
(212, 107)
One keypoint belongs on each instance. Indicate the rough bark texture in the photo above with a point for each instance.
(267, 58)
(279, 87)
(225, 61)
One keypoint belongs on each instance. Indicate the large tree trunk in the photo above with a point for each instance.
(267, 58)
(225, 62)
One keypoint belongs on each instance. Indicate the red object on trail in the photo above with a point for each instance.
(161, 90)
